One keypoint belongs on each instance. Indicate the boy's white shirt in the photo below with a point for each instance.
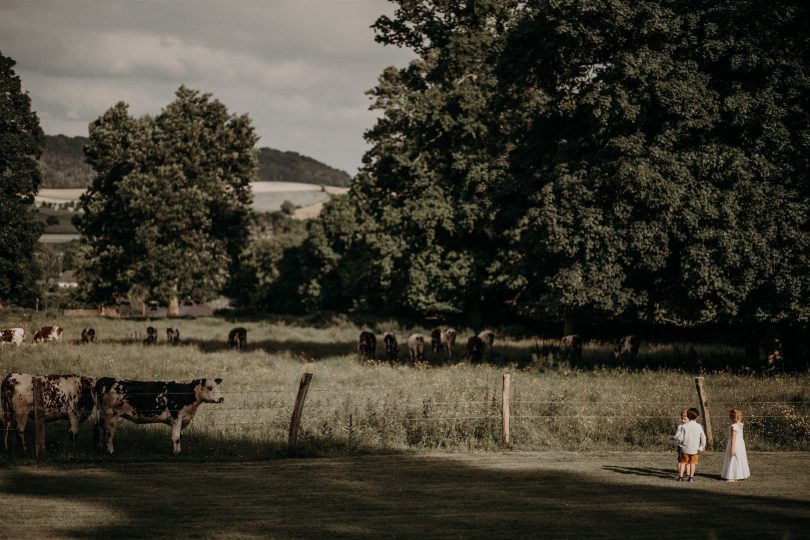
(692, 439)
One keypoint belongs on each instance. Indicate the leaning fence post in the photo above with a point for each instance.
(704, 410)
(507, 438)
(39, 419)
(295, 421)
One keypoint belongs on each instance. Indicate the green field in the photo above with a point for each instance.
(495, 495)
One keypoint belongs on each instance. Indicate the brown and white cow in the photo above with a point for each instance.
(416, 348)
(571, 348)
(237, 337)
(626, 348)
(48, 333)
(14, 336)
(67, 397)
(367, 344)
(488, 339)
(148, 402)
(475, 349)
(173, 336)
(448, 340)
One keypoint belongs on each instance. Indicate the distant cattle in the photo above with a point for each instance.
(475, 349)
(14, 336)
(775, 360)
(67, 397)
(416, 348)
(488, 338)
(436, 339)
(173, 336)
(88, 335)
(148, 402)
(367, 345)
(237, 337)
(571, 348)
(626, 348)
(391, 346)
(48, 333)
(448, 341)
(151, 336)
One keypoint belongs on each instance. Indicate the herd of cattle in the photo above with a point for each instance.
(237, 337)
(443, 341)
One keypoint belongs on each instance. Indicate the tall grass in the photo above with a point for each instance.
(360, 406)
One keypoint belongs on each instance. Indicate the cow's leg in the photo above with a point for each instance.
(109, 431)
(177, 428)
(74, 427)
(22, 419)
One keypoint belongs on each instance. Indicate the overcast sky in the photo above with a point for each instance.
(299, 68)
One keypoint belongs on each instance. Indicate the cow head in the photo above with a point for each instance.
(208, 391)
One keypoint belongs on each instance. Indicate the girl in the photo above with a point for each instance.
(679, 437)
(735, 466)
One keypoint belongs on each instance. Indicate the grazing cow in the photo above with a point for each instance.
(448, 341)
(237, 337)
(475, 349)
(391, 346)
(367, 345)
(436, 339)
(63, 397)
(626, 348)
(416, 348)
(88, 335)
(12, 335)
(48, 333)
(173, 336)
(149, 402)
(151, 336)
(775, 360)
(571, 348)
(488, 337)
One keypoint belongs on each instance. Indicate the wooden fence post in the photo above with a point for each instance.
(704, 410)
(295, 421)
(39, 419)
(507, 437)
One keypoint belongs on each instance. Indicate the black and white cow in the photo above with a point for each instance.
(173, 336)
(626, 348)
(88, 335)
(475, 349)
(149, 402)
(14, 336)
(367, 345)
(151, 336)
(237, 337)
(571, 348)
(416, 348)
(64, 397)
(391, 346)
(48, 333)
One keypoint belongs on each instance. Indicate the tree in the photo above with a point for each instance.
(21, 142)
(169, 207)
(659, 163)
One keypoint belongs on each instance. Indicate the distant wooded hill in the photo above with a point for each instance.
(62, 165)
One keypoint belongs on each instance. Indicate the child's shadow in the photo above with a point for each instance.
(642, 471)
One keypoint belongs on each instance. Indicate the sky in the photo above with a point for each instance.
(299, 68)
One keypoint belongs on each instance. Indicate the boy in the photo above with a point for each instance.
(693, 441)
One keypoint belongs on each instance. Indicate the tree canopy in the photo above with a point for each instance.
(168, 209)
(631, 160)
(21, 141)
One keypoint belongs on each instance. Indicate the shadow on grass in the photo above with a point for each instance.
(642, 471)
(402, 495)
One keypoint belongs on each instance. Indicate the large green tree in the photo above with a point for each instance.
(169, 207)
(659, 163)
(21, 142)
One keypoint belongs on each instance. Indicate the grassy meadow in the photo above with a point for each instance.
(363, 406)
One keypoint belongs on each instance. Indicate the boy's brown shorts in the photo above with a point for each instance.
(688, 458)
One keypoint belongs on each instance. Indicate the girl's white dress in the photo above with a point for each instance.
(736, 468)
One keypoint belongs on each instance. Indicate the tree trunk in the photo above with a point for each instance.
(475, 316)
(174, 307)
(569, 326)
(752, 359)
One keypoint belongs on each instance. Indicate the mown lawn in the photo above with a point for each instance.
(496, 495)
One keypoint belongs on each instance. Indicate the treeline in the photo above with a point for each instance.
(63, 165)
(622, 161)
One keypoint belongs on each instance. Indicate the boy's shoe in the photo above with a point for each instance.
(691, 479)
(680, 479)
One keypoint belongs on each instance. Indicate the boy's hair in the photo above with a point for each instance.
(736, 415)
(692, 413)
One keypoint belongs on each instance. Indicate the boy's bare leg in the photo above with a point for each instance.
(681, 469)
